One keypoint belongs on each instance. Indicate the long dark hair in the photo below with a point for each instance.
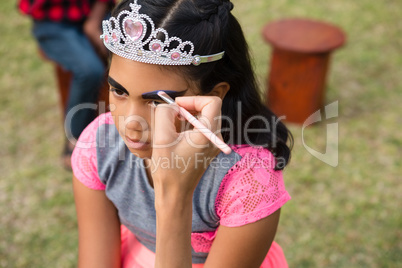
(212, 28)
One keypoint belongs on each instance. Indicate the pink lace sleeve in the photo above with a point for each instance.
(251, 190)
(83, 160)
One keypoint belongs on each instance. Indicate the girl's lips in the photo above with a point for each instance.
(137, 144)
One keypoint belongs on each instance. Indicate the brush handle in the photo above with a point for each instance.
(204, 130)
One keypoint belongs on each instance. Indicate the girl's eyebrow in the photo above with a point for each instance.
(153, 95)
(115, 84)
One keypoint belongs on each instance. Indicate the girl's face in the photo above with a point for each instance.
(133, 88)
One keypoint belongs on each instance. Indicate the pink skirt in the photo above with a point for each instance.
(135, 255)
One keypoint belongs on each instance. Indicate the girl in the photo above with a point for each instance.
(150, 190)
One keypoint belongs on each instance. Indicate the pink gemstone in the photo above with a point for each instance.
(133, 29)
(106, 38)
(175, 56)
(114, 37)
(156, 47)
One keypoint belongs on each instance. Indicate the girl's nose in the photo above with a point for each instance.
(135, 122)
(134, 117)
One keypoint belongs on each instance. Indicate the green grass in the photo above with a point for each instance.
(344, 216)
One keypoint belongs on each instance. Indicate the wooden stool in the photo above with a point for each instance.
(63, 78)
(299, 65)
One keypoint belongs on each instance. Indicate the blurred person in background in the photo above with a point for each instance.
(67, 32)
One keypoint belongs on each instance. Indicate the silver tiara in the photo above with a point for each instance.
(129, 41)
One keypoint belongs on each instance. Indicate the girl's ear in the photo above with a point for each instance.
(220, 90)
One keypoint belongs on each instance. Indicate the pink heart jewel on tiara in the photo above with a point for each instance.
(134, 29)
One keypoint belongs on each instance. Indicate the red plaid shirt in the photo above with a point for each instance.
(59, 10)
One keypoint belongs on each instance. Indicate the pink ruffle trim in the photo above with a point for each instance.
(202, 242)
(135, 255)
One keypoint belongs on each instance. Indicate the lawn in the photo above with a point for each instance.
(343, 216)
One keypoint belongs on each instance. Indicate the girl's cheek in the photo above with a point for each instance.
(117, 118)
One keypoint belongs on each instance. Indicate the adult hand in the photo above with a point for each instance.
(189, 153)
(92, 27)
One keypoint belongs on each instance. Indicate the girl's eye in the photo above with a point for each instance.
(154, 103)
(118, 92)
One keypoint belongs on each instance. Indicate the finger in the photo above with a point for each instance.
(164, 128)
(208, 106)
